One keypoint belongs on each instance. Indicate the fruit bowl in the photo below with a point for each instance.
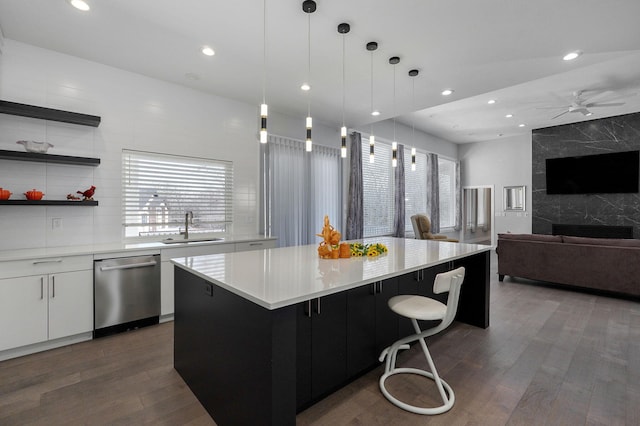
(5, 194)
(33, 195)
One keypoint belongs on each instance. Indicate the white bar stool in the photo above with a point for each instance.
(425, 309)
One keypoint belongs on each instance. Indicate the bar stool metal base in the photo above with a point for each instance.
(448, 403)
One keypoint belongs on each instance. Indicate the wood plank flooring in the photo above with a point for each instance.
(551, 356)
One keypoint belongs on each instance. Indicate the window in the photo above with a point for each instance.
(415, 187)
(302, 188)
(377, 186)
(447, 186)
(158, 189)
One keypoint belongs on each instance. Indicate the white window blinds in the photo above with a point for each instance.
(158, 189)
(447, 189)
(415, 187)
(377, 184)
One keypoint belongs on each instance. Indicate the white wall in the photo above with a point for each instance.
(138, 113)
(500, 162)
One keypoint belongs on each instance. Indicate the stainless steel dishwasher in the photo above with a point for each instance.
(126, 293)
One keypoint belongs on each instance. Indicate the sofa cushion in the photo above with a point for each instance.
(615, 242)
(532, 237)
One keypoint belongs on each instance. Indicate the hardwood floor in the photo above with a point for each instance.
(551, 356)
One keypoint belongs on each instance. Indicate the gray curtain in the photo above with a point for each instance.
(399, 197)
(355, 219)
(433, 192)
(458, 196)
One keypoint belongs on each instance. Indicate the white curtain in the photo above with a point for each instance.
(301, 187)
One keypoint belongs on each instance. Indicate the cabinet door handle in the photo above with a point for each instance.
(318, 305)
(53, 286)
(380, 287)
(41, 288)
(59, 260)
(308, 310)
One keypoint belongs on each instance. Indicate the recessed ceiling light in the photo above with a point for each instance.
(447, 92)
(206, 50)
(521, 125)
(375, 113)
(305, 87)
(80, 5)
(572, 55)
(588, 114)
(491, 101)
(509, 115)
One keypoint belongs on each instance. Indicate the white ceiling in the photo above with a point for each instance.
(509, 50)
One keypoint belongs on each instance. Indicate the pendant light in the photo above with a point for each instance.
(394, 60)
(372, 46)
(413, 73)
(263, 106)
(309, 6)
(343, 29)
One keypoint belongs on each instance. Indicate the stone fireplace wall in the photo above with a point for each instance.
(613, 134)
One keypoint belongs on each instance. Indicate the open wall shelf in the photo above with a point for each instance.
(24, 110)
(48, 158)
(89, 203)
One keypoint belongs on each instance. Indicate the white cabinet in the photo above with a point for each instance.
(70, 303)
(23, 311)
(55, 301)
(256, 245)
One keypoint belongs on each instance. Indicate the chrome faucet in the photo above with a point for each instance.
(188, 217)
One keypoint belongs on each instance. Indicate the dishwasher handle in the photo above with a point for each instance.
(129, 266)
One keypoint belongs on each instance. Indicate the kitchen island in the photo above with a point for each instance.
(261, 335)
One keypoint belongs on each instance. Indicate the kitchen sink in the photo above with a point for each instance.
(191, 240)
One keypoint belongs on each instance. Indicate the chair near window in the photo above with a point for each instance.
(422, 229)
(427, 309)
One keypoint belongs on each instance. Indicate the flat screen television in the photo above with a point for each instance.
(616, 172)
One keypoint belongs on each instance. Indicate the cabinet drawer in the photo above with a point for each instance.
(45, 265)
(195, 250)
(255, 245)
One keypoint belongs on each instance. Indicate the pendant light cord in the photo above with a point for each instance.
(343, 79)
(264, 51)
(371, 89)
(394, 102)
(309, 63)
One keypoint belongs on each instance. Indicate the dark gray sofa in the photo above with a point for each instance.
(611, 265)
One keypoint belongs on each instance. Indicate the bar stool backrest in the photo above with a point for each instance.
(451, 282)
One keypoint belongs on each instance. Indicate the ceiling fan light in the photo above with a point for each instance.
(571, 55)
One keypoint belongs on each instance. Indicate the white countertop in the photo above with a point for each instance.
(151, 246)
(274, 278)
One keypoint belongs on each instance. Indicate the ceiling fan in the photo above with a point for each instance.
(582, 105)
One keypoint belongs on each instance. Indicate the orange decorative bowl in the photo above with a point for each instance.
(5, 194)
(33, 195)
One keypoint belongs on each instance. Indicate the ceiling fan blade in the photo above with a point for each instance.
(562, 113)
(610, 104)
(554, 107)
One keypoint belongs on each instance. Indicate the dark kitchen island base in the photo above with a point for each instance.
(249, 365)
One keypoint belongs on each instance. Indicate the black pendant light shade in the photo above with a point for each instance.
(309, 6)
